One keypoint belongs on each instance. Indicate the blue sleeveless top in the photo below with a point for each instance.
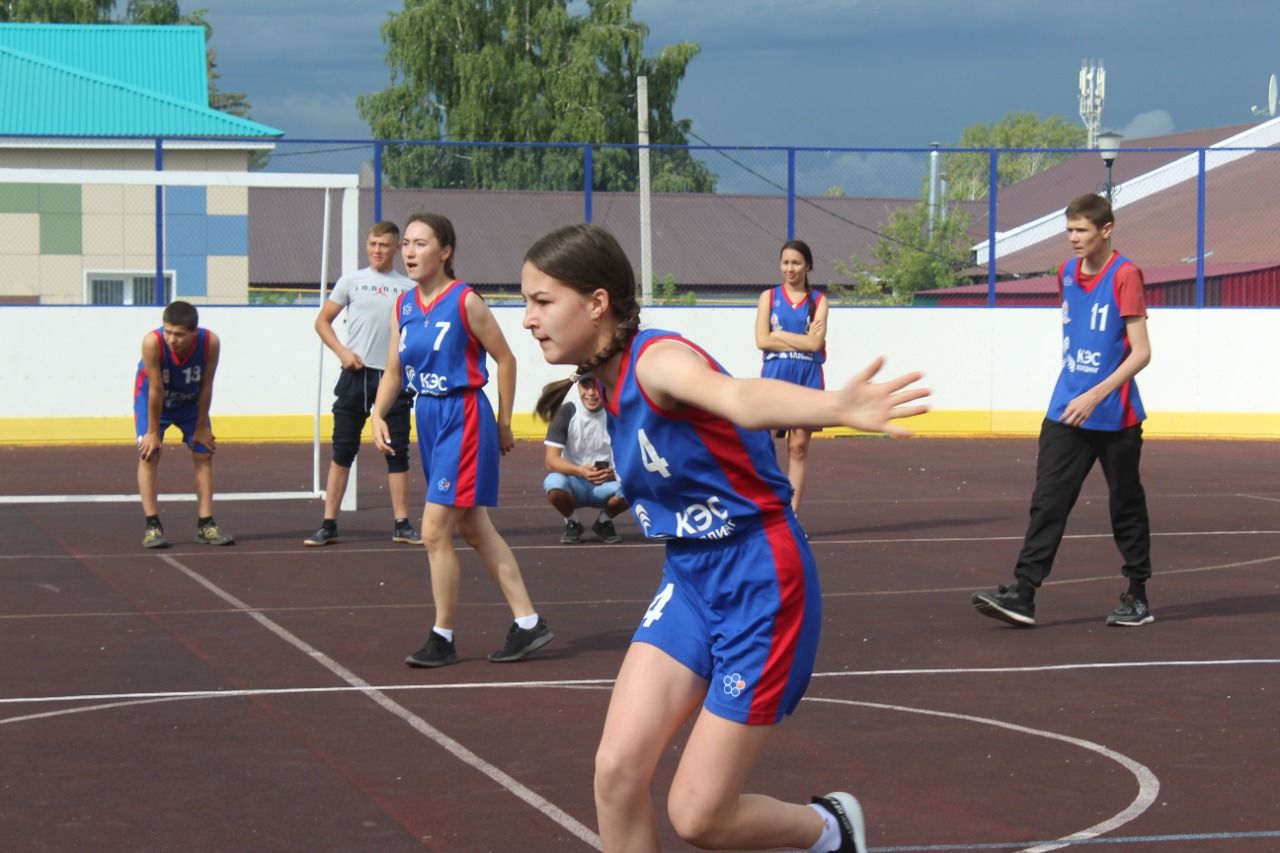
(786, 317)
(688, 474)
(1094, 343)
(438, 353)
(182, 379)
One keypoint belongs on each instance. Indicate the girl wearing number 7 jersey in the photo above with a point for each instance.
(732, 633)
(441, 335)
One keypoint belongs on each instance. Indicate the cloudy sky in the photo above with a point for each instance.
(848, 73)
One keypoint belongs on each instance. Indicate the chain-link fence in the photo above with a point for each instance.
(929, 226)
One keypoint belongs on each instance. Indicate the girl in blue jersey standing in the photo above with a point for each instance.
(731, 636)
(441, 333)
(791, 329)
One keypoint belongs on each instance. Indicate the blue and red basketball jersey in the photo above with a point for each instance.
(438, 353)
(182, 379)
(687, 473)
(788, 316)
(1094, 343)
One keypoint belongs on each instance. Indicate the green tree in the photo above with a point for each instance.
(968, 173)
(527, 71)
(907, 259)
(152, 12)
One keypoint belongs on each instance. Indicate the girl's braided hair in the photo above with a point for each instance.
(587, 258)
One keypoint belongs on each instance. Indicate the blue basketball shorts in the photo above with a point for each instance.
(745, 614)
(797, 371)
(183, 417)
(458, 445)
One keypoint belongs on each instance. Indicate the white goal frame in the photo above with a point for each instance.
(347, 184)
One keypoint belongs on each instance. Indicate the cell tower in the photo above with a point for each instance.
(1093, 89)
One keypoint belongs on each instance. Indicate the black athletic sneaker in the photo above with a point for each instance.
(572, 532)
(212, 534)
(845, 809)
(437, 652)
(153, 537)
(604, 529)
(405, 532)
(1131, 613)
(521, 641)
(323, 536)
(1006, 605)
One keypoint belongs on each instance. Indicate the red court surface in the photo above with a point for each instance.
(254, 697)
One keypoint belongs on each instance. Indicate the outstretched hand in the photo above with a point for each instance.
(873, 406)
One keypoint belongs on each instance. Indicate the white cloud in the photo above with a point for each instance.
(1150, 123)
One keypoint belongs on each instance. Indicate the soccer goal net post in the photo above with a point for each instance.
(256, 252)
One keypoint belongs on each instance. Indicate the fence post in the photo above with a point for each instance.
(377, 181)
(159, 291)
(992, 188)
(791, 193)
(1200, 229)
(588, 178)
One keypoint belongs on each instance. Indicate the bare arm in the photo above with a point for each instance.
(489, 334)
(1079, 409)
(329, 312)
(389, 388)
(673, 375)
(204, 428)
(150, 443)
(776, 340)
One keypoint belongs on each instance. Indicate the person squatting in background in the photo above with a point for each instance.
(580, 463)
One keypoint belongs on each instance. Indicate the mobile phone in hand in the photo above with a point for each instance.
(602, 464)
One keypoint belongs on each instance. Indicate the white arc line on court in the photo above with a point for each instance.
(1148, 784)
(466, 756)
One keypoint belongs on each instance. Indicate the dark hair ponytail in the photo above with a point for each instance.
(587, 258)
(445, 236)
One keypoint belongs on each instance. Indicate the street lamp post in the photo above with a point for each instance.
(1108, 148)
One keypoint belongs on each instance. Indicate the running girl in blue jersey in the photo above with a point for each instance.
(731, 635)
(441, 335)
(791, 329)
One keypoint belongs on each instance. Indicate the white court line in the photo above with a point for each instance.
(1259, 498)
(655, 543)
(466, 756)
(1148, 783)
(592, 683)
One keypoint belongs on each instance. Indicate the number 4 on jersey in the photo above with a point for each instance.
(649, 456)
(654, 613)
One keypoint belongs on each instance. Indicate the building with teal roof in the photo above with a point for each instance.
(99, 97)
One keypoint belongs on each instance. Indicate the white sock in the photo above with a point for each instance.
(572, 519)
(527, 622)
(603, 516)
(447, 633)
(829, 840)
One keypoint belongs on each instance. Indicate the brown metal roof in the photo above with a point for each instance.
(699, 239)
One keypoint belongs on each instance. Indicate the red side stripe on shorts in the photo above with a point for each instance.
(468, 451)
(768, 694)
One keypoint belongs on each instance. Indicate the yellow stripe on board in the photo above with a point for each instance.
(17, 432)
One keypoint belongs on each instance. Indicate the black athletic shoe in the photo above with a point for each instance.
(572, 532)
(1131, 613)
(1006, 605)
(323, 536)
(521, 641)
(845, 809)
(212, 534)
(437, 652)
(604, 529)
(405, 532)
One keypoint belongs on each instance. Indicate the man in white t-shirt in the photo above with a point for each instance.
(580, 462)
(369, 296)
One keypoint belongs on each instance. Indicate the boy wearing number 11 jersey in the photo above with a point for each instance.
(1095, 415)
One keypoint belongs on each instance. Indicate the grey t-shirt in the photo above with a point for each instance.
(369, 298)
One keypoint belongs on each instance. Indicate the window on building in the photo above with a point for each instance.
(125, 288)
